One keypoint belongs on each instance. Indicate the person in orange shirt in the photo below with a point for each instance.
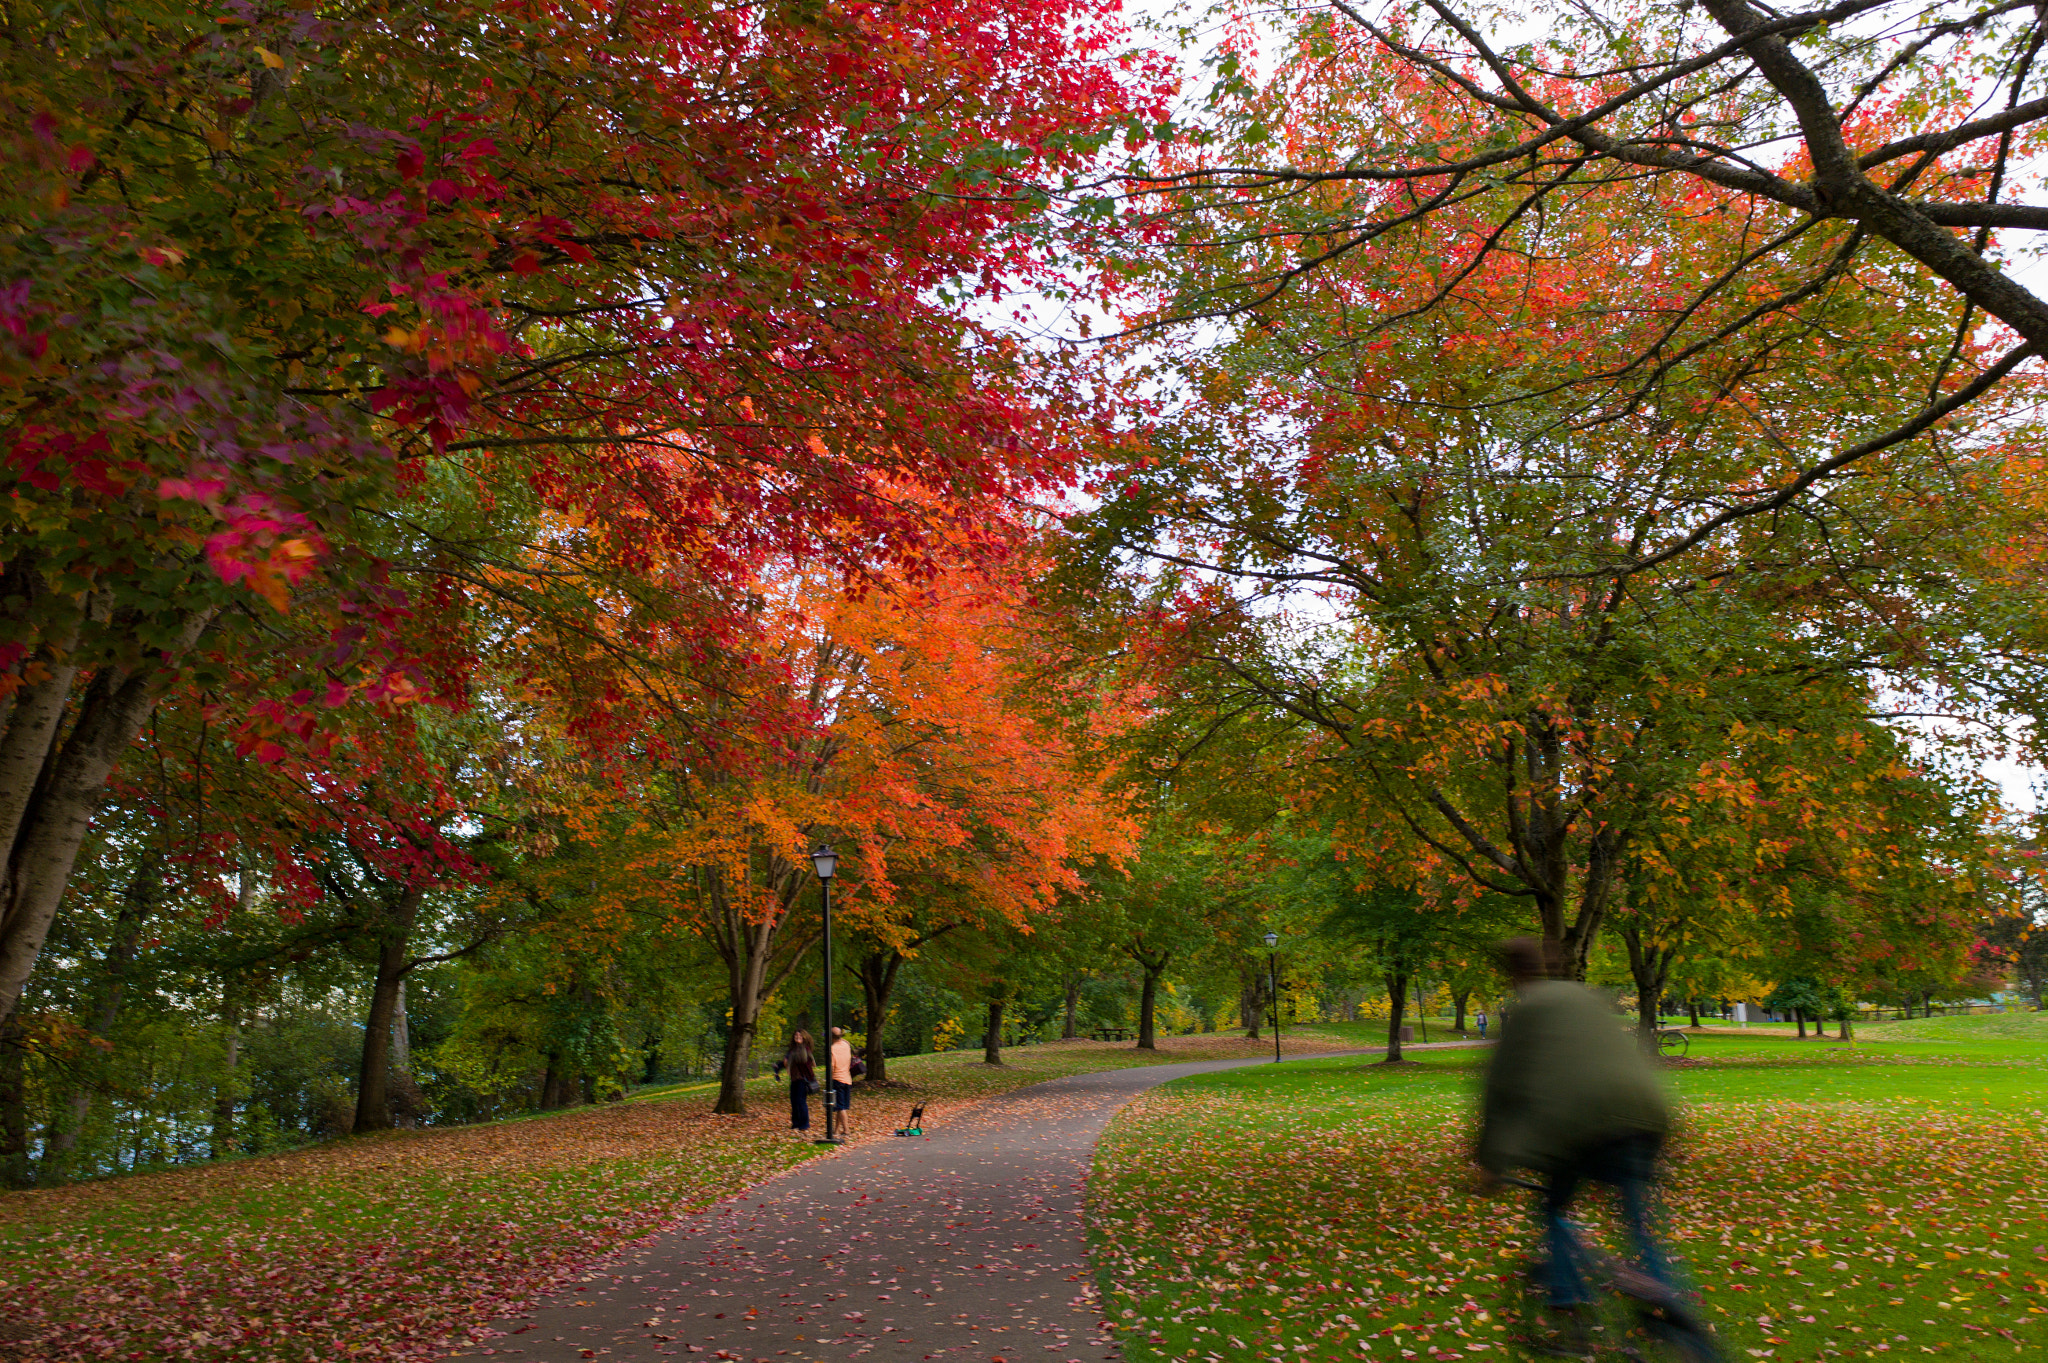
(840, 1072)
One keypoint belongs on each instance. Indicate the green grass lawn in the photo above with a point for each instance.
(1373, 1031)
(1889, 1198)
(2014, 1026)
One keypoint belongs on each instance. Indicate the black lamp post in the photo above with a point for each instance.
(826, 861)
(1273, 980)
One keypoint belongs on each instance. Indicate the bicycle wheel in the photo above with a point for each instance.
(1663, 1324)
(1680, 1340)
(1534, 1331)
(1673, 1044)
(1604, 1330)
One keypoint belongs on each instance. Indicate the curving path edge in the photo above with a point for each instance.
(965, 1244)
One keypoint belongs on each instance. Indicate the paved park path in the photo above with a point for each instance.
(964, 1245)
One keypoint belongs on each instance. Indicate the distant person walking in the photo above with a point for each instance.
(1481, 1020)
(803, 1079)
(840, 1072)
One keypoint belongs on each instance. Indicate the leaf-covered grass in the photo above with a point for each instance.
(385, 1246)
(1830, 1201)
(394, 1246)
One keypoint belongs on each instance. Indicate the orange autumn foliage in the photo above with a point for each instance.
(913, 726)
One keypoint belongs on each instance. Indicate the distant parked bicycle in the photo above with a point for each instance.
(1632, 1318)
(1673, 1043)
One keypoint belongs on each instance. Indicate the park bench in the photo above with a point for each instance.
(1112, 1034)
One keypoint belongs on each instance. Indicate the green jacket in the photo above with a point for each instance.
(1566, 1075)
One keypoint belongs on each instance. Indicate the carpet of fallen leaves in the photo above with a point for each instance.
(1326, 1213)
(401, 1245)
(385, 1247)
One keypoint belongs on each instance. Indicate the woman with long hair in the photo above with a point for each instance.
(803, 1079)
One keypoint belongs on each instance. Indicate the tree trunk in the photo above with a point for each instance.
(145, 887)
(1848, 1029)
(992, 1039)
(746, 973)
(1148, 999)
(401, 1035)
(877, 982)
(558, 1086)
(1397, 998)
(877, 971)
(1153, 963)
(1799, 1020)
(373, 1080)
(1648, 965)
(1693, 1006)
(224, 1142)
(1069, 1032)
(1573, 941)
(64, 1141)
(739, 1044)
(1459, 999)
(407, 1112)
(14, 1167)
(1251, 1000)
(49, 791)
(224, 1090)
(749, 945)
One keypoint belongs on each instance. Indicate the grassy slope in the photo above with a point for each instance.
(1976, 1027)
(392, 1245)
(1832, 1202)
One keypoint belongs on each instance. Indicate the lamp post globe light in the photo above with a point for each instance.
(1273, 981)
(825, 861)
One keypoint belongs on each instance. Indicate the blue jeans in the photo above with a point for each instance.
(800, 1104)
(1627, 1165)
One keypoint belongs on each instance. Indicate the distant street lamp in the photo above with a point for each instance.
(1273, 980)
(826, 861)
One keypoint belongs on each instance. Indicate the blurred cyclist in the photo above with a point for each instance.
(1570, 1094)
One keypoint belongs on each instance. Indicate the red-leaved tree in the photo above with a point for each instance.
(685, 275)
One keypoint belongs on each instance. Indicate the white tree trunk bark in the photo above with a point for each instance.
(53, 800)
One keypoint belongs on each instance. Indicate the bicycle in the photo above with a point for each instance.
(1632, 1318)
(1672, 1044)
